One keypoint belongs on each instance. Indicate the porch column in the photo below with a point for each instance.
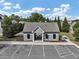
(33, 37)
(42, 37)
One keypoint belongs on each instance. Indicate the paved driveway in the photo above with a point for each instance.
(38, 52)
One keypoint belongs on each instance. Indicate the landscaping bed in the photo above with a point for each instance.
(70, 36)
(76, 42)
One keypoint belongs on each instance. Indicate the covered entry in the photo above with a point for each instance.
(38, 34)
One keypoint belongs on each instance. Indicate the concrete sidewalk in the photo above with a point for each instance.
(73, 43)
(37, 43)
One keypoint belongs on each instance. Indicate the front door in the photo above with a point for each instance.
(38, 37)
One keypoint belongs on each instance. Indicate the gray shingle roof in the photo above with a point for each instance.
(47, 27)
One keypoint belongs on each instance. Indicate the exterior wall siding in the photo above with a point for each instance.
(25, 36)
(50, 36)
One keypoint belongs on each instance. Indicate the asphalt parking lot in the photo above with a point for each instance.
(38, 52)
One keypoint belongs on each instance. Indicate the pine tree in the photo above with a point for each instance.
(76, 30)
(55, 20)
(65, 25)
(59, 23)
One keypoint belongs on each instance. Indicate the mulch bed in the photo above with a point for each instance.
(19, 38)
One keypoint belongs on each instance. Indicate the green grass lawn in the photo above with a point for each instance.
(71, 37)
(2, 38)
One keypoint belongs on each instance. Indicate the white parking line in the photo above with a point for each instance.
(65, 52)
(43, 51)
(66, 55)
(16, 50)
(30, 51)
(4, 49)
(57, 51)
(73, 54)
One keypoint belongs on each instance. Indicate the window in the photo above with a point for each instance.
(46, 36)
(28, 36)
(0, 17)
(54, 36)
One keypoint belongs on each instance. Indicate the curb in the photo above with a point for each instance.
(76, 45)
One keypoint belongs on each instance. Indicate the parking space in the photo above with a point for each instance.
(22, 51)
(64, 51)
(39, 52)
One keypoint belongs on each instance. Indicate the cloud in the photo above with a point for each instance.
(77, 17)
(1, 1)
(7, 4)
(5, 13)
(37, 9)
(65, 5)
(17, 6)
(48, 9)
(7, 7)
(26, 13)
(22, 13)
(61, 11)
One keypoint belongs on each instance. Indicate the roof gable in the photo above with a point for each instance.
(38, 30)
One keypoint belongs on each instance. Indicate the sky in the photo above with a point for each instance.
(48, 8)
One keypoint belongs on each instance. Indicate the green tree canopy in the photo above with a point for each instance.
(9, 28)
(76, 30)
(36, 17)
(6, 21)
(59, 23)
(15, 17)
(65, 25)
(55, 20)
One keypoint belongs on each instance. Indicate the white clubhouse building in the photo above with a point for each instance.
(41, 31)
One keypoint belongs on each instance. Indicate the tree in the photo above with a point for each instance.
(76, 30)
(6, 25)
(15, 17)
(9, 28)
(59, 23)
(47, 20)
(55, 20)
(65, 25)
(12, 17)
(36, 17)
(6, 21)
